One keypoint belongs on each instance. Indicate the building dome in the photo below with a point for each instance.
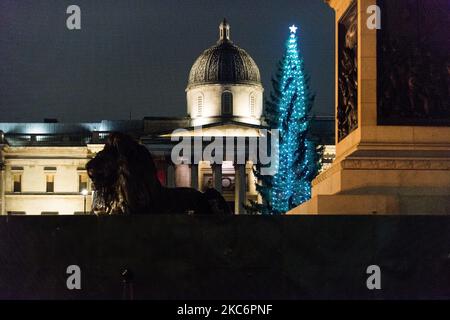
(224, 85)
(224, 62)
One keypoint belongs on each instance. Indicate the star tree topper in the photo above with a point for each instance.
(293, 28)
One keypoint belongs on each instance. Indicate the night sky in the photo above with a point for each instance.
(134, 56)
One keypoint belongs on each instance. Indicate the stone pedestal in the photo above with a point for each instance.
(392, 155)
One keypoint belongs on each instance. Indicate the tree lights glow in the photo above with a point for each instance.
(298, 163)
(288, 110)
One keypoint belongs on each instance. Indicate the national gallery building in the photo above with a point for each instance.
(43, 164)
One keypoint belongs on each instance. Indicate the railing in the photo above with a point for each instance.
(76, 139)
(48, 139)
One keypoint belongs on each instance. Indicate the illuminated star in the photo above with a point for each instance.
(293, 28)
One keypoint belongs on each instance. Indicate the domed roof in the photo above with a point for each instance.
(224, 63)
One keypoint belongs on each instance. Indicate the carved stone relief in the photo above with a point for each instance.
(347, 111)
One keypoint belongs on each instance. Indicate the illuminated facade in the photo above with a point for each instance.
(224, 83)
(43, 164)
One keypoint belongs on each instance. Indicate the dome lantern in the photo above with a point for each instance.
(224, 84)
(224, 62)
(224, 31)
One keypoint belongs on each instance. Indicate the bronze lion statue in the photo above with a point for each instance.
(125, 182)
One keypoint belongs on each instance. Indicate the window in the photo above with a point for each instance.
(50, 183)
(227, 103)
(17, 183)
(82, 182)
(252, 104)
(199, 105)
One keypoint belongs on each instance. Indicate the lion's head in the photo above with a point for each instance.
(124, 176)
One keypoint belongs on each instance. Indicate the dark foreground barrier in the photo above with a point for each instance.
(242, 257)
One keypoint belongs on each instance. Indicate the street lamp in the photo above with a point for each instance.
(84, 192)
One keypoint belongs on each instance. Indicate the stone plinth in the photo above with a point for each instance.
(400, 168)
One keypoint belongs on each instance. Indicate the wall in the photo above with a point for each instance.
(212, 95)
(240, 257)
(66, 198)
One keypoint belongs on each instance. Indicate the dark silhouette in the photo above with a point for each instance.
(125, 182)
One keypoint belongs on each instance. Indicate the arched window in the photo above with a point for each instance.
(252, 104)
(199, 105)
(227, 103)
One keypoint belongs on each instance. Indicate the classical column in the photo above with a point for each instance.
(182, 176)
(240, 188)
(194, 176)
(217, 176)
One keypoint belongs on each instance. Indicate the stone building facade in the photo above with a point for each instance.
(43, 164)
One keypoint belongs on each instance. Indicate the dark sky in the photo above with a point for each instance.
(135, 56)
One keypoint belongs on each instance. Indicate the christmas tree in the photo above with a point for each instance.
(288, 110)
